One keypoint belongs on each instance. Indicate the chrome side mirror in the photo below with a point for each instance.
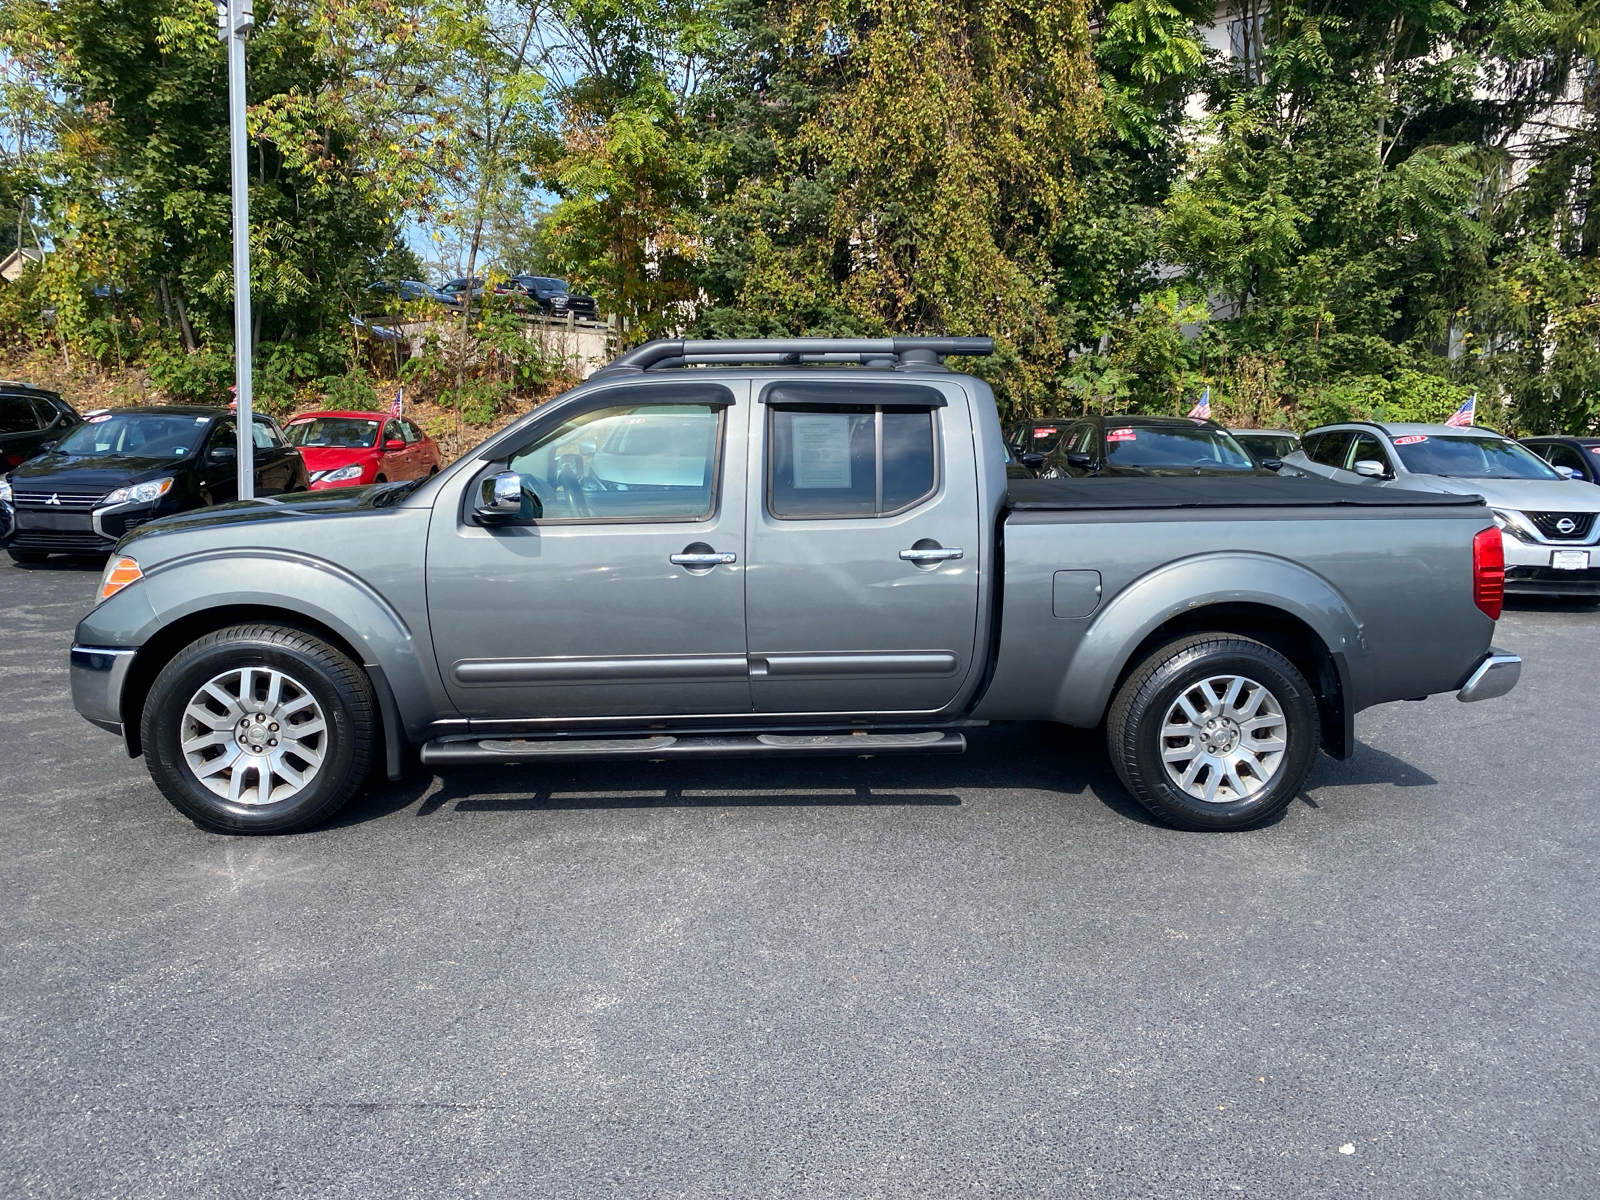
(1371, 468)
(503, 498)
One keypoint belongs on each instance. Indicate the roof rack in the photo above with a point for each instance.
(911, 353)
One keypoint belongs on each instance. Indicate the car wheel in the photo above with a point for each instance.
(28, 556)
(432, 471)
(380, 479)
(259, 729)
(1213, 732)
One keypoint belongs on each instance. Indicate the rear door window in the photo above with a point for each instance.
(850, 451)
(1330, 449)
(1559, 454)
(17, 415)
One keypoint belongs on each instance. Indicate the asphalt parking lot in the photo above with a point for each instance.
(982, 976)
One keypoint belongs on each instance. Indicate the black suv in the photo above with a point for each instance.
(30, 420)
(1105, 446)
(1580, 455)
(121, 469)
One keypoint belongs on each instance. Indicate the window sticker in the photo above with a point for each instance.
(1411, 439)
(821, 450)
(1594, 449)
(1122, 435)
(97, 420)
(1044, 431)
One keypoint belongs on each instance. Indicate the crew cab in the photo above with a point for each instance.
(778, 548)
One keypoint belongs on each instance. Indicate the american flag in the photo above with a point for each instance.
(1462, 418)
(1202, 409)
(399, 402)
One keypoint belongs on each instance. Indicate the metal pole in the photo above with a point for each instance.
(236, 19)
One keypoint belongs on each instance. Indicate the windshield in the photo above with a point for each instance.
(1470, 457)
(1268, 445)
(143, 435)
(545, 284)
(350, 433)
(1174, 446)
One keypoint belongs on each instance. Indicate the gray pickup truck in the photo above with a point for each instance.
(778, 548)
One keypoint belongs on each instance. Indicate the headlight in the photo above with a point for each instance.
(1515, 523)
(140, 493)
(119, 573)
(353, 471)
(5, 491)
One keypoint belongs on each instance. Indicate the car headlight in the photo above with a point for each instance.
(1515, 523)
(353, 471)
(5, 491)
(140, 493)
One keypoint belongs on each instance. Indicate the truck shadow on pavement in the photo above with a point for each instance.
(1026, 757)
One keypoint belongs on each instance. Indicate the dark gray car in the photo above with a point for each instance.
(758, 549)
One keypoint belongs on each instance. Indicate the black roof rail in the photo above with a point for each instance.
(909, 352)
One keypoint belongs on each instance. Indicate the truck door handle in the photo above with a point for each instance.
(712, 559)
(939, 555)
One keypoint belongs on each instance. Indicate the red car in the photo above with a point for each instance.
(345, 449)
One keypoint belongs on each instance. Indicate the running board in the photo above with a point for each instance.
(661, 746)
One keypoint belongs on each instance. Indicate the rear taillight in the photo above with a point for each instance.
(1488, 572)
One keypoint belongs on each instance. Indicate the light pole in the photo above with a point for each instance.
(235, 20)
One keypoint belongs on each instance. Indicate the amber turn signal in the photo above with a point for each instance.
(119, 574)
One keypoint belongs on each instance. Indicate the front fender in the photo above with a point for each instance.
(190, 586)
(1179, 588)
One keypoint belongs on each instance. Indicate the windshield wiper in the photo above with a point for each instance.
(393, 493)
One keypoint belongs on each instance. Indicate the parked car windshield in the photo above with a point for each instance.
(545, 284)
(350, 433)
(1173, 446)
(144, 435)
(1470, 457)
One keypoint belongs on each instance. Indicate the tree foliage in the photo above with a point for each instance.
(1358, 208)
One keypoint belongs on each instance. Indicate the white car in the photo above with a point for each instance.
(1551, 525)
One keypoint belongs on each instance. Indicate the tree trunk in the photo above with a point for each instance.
(187, 330)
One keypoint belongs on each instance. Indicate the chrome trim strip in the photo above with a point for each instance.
(663, 668)
(853, 666)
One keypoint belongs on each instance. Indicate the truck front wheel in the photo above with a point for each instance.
(1213, 732)
(259, 729)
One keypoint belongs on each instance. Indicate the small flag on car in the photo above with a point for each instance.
(1202, 409)
(399, 402)
(1462, 418)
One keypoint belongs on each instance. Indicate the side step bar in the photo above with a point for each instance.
(663, 746)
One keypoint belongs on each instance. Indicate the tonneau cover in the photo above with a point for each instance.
(1210, 491)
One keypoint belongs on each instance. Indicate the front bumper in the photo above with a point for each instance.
(96, 532)
(1530, 567)
(98, 673)
(1496, 675)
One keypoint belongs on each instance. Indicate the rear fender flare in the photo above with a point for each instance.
(1179, 590)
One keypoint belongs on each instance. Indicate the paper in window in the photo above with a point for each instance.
(821, 450)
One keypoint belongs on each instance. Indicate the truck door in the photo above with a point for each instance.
(862, 587)
(626, 598)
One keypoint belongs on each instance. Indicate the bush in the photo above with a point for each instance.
(200, 377)
(353, 390)
(478, 400)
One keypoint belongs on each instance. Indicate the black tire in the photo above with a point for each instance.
(28, 556)
(336, 684)
(380, 479)
(1135, 738)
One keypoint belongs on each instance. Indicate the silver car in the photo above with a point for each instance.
(1551, 525)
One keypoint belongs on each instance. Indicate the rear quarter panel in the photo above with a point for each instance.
(1390, 590)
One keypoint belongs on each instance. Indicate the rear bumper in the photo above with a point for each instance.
(1496, 675)
(98, 674)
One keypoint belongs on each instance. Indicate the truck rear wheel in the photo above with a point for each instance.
(259, 729)
(1213, 732)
